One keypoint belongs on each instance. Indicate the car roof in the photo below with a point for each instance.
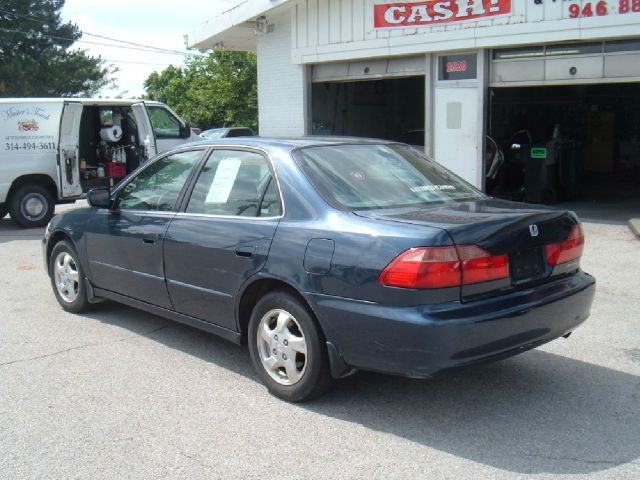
(292, 142)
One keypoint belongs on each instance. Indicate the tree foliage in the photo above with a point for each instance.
(216, 90)
(36, 58)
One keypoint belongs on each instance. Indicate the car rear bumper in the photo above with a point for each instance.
(419, 341)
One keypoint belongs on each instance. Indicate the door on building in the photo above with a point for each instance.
(377, 98)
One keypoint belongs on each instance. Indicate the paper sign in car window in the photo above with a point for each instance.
(223, 181)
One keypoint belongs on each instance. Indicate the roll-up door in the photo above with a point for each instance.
(369, 69)
(570, 63)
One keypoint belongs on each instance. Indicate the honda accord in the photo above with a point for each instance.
(326, 256)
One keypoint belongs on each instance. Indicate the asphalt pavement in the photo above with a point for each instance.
(118, 393)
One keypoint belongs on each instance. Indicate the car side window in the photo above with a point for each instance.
(157, 187)
(165, 124)
(235, 183)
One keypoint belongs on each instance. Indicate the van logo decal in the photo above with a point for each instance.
(533, 229)
(28, 126)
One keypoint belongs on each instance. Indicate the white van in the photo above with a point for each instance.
(53, 150)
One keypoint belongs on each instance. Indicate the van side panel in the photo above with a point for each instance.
(28, 141)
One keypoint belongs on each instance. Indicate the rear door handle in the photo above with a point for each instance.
(246, 252)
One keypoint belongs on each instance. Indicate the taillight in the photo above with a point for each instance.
(423, 267)
(478, 265)
(440, 267)
(570, 249)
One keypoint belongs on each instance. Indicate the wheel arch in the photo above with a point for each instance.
(40, 179)
(257, 289)
(55, 238)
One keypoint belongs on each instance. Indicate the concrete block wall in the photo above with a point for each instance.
(282, 85)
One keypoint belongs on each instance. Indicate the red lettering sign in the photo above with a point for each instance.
(457, 66)
(436, 11)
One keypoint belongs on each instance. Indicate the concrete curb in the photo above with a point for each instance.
(634, 225)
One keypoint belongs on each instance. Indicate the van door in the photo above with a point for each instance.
(145, 129)
(68, 166)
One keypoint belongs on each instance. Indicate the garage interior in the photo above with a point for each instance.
(391, 108)
(598, 127)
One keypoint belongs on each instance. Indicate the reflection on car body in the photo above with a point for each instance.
(227, 132)
(325, 256)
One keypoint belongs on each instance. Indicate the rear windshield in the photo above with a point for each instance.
(356, 177)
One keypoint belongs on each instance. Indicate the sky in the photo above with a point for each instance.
(159, 23)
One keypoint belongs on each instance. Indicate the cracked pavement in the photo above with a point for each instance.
(118, 393)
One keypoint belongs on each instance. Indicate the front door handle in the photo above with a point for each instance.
(246, 252)
(150, 239)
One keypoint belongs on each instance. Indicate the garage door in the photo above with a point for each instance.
(370, 69)
(585, 63)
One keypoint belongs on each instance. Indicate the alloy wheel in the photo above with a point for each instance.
(66, 277)
(282, 347)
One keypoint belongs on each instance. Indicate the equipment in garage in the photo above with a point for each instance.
(581, 104)
(585, 141)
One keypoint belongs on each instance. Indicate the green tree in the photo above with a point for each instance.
(214, 90)
(36, 58)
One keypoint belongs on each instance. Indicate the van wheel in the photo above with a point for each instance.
(287, 348)
(31, 206)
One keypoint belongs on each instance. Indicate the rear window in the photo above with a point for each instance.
(356, 177)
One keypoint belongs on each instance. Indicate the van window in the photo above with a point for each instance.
(165, 124)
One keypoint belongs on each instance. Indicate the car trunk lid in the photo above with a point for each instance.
(519, 231)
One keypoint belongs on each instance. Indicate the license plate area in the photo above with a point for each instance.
(526, 265)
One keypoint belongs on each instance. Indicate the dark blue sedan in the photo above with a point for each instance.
(325, 255)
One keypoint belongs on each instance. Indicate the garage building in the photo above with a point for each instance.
(553, 85)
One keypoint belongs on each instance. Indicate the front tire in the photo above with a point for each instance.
(31, 206)
(287, 348)
(67, 278)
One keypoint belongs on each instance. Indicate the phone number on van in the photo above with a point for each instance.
(30, 146)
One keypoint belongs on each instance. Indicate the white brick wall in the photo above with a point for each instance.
(282, 85)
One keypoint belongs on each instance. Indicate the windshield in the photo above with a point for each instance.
(214, 133)
(380, 176)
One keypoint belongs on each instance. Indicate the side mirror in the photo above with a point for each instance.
(99, 197)
(186, 130)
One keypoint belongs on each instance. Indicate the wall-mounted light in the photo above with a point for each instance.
(262, 26)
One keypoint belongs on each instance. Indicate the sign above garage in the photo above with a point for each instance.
(434, 12)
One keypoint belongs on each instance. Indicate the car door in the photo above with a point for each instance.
(223, 236)
(124, 243)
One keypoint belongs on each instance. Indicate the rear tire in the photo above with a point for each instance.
(287, 348)
(31, 206)
(67, 278)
